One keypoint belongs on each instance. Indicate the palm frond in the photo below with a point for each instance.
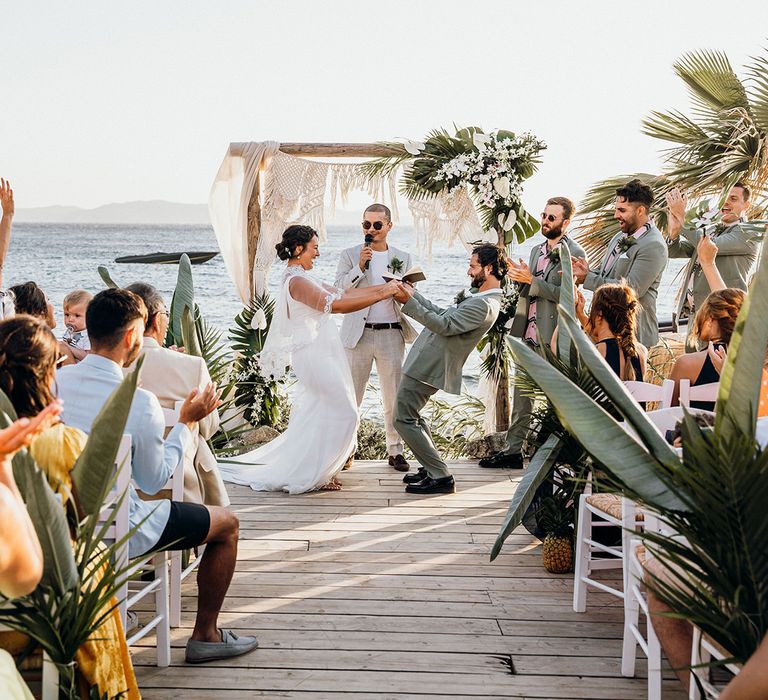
(712, 83)
(757, 88)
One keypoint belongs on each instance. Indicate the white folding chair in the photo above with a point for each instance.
(135, 590)
(703, 392)
(636, 600)
(644, 392)
(703, 650)
(178, 572)
(601, 510)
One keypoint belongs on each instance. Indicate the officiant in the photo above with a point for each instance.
(377, 333)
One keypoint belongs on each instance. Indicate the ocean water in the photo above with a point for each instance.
(63, 257)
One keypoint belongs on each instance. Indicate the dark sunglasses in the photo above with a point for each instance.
(377, 225)
(548, 217)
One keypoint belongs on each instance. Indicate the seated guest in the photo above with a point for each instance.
(28, 355)
(714, 323)
(31, 300)
(170, 376)
(115, 320)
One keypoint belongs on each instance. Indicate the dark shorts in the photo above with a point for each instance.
(187, 527)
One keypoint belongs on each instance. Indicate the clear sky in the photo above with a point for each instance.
(105, 102)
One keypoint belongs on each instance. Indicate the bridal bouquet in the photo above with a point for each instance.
(491, 166)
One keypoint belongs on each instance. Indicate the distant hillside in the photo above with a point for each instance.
(151, 212)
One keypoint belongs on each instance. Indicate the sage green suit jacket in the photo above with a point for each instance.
(546, 291)
(437, 357)
(735, 256)
(641, 268)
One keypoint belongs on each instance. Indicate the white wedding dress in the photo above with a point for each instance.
(324, 417)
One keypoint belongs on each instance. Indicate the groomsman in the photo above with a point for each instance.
(736, 253)
(637, 255)
(536, 313)
(437, 358)
(378, 333)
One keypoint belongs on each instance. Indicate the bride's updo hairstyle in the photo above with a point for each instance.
(294, 237)
(489, 254)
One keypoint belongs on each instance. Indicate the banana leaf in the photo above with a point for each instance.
(597, 431)
(107, 278)
(617, 392)
(183, 296)
(739, 395)
(538, 470)
(93, 473)
(566, 300)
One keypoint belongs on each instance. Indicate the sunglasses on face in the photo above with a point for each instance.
(548, 217)
(377, 225)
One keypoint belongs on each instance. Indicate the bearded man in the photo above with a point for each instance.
(536, 314)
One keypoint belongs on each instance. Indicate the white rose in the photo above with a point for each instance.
(259, 320)
(501, 185)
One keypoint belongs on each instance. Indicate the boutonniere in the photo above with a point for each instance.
(626, 242)
(719, 229)
(461, 296)
(554, 255)
(395, 266)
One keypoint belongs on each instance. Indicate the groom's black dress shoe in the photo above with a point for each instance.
(502, 460)
(430, 485)
(417, 477)
(399, 463)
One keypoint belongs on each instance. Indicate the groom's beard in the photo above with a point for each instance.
(478, 280)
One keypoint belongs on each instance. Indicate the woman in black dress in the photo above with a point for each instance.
(714, 323)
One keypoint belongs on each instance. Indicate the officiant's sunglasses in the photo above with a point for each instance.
(377, 225)
(548, 217)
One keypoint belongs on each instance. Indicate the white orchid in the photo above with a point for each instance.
(259, 320)
(414, 147)
(501, 185)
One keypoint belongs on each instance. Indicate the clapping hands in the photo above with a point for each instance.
(580, 270)
(23, 431)
(677, 202)
(519, 271)
(199, 404)
(6, 198)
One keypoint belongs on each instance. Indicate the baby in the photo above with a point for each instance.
(76, 335)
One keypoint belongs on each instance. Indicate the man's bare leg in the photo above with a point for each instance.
(215, 572)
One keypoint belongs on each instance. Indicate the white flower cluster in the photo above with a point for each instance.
(492, 168)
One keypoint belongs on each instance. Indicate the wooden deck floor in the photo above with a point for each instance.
(371, 593)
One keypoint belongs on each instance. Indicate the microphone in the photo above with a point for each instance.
(368, 241)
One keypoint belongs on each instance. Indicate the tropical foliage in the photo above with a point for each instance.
(75, 595)
(712, 502)
(491, 166)
(724, 140)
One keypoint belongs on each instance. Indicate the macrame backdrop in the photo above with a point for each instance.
(293, 190)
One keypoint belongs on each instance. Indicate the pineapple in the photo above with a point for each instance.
(555, 517)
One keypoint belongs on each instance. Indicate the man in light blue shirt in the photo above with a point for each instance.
(115, 321)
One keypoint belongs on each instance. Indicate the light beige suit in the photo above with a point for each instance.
(170, 376)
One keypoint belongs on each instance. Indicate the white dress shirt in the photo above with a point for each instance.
(382, 311)
(84, 389)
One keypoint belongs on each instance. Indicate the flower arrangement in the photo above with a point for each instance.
(492, 166)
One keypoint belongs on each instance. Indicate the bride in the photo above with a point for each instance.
(323, 423)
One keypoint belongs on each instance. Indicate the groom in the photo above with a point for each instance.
(437, 357)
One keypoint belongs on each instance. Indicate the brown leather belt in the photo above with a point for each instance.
(383, 326)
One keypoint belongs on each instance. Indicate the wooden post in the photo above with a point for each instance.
(254, 229)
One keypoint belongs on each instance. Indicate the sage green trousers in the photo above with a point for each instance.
(412, 396)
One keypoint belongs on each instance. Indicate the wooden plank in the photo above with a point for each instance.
(372, 593)
(326, 150)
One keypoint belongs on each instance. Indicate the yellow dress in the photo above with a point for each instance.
(104, 659)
